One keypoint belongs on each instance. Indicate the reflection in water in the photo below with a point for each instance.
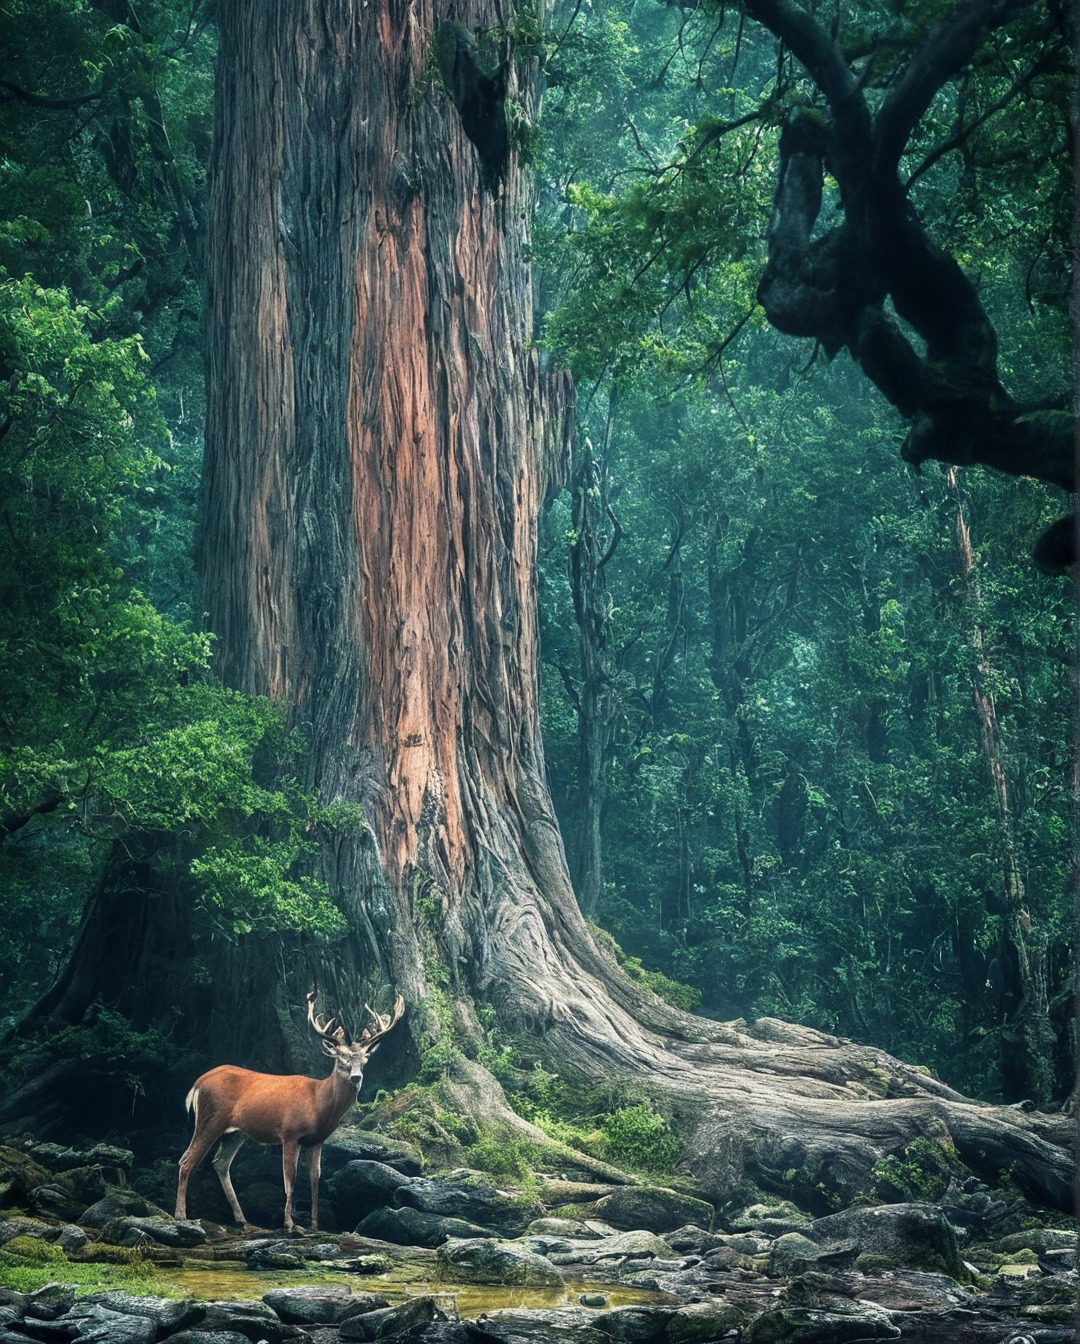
(229, 1283)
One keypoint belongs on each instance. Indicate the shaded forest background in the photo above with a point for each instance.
(806, 711)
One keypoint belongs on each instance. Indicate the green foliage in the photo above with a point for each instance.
(117, 748)
(921, 1173)
(801, 821)
(640, 1138)
(27, 1264)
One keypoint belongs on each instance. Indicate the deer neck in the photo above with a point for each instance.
(339, 1094)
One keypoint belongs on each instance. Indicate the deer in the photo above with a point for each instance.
(233, 1104)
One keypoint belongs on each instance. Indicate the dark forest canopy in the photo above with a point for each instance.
(805, 708)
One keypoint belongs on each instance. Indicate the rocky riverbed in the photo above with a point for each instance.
(457, 1257)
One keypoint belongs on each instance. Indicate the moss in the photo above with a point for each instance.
(921, 1173)
(31, 1251)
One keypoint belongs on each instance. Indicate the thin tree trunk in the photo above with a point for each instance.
(1028, 1041)
(594, 698)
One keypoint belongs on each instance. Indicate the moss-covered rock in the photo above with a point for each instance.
(653, 1208)
(482, 1261)
(413, 1227)
(917, 1236)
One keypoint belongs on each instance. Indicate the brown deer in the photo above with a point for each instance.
(234, 1104)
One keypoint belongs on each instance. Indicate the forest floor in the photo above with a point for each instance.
(88, 1252)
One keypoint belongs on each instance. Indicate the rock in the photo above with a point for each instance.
(166, 1231)
(622, 1246)
(449, 1332)
(915, 1236)
(208, 1337)
(352, 1145)
(118, 1204)
(54, 1199)
(468, 1195)
(321, 1305)
(697, 1241)
(275, 1256)
(630, 1207)
(1038, 1239)
(774, 1218)
(981, 1213)
(72, 1238)
(809, 1325)
(793, 1254)
(481, 1261)
(566, 1325)
(392, 1322)
(19, 1174)
(11, 1228)
(413, 1227)
(910, 1290)
(94, 1322)
(560, 1227)
(634, 1325)
(47, 1303)
(168, 1314)
(592, 1300)
(253, 1320)
(361, 1186)
(703, 1321)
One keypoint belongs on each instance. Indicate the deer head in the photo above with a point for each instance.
(350, 1057)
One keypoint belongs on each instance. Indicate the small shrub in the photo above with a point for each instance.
(638, 1136)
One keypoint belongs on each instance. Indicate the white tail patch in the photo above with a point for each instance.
(191, 1102)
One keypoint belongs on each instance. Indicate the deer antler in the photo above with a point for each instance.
(384, 1023)
(331, 1030)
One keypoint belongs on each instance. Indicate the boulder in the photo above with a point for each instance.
(481, 1261)
(118, 1204)
(72, 1238)
(634, 1325)
(794, 1253)
(168, 1314)
(361, 1186)
(773, 1217)
(360, 1145)
(470, 1196)
(253, 1320)
(630, 1207)
(44, 1304)
(693, 1240)
(19, 1174)
(392, 1322)
(703, 1321)
(565, 1325)
(208, 1337)
(91, 1321)
(321, 1304)
(846, 1323)
(623, 1246)
(166, 1231)
(561, 1227)
(11, 1228)
(413, 1227)
(914, 1236)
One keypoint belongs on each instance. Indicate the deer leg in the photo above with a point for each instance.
(314, 1167)
(200, 1145)
(222, 1161)
(290, 1153)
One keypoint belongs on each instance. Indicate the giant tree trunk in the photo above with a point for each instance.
(380, 439)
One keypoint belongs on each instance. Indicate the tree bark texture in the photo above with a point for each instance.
(380, 439)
